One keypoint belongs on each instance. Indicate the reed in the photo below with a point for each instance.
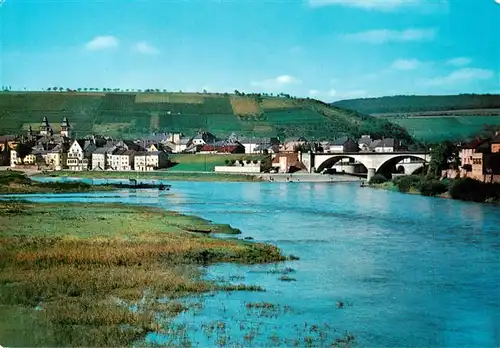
(83, 270)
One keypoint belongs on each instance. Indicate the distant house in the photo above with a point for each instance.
(101, 157)
(79, 154)
(342, 144)
(290, 144)
(204, 138)
(385, 145)
(150, 160)
(495, 143)
(56, 158)
(364, 142)
(182, 145)
(287, 163)
(267, 148)
(122, 159)
(254, 145)
(480, 159)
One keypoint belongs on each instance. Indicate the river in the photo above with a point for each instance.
(410, 270)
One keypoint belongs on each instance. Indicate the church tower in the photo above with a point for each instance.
(45, 128)
(65, 128)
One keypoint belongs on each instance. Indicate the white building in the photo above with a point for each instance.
(101, 157)
(122, 160)
(150, 160)
(79, 154)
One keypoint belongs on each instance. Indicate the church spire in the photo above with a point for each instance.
(45, 128)
(65, 128)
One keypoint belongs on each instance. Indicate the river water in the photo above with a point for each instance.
(410, 270)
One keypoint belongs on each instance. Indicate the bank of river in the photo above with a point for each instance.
(409, 270)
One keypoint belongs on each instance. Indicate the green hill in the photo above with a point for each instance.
(419, 104)
(134, 114)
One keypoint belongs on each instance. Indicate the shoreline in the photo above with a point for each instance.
(206, 176)
(83, 261)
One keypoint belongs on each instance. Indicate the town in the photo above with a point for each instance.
(45, 149)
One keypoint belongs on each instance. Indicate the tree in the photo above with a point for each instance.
(23, 150)
(61, 89)
(443, 155)
(85, 89)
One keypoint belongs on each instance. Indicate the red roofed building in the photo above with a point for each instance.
(223, 148)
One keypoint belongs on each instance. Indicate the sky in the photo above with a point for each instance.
(325, 49)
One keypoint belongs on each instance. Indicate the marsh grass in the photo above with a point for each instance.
(171, 175)
(17, 182)
(75, 265)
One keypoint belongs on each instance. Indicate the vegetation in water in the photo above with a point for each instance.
(167, 175)
(17, 182)
(95, 274)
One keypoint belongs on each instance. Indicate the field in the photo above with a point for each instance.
(438, 128)
(131, 115)
(95, 274)
(405, 104)
(205, 163)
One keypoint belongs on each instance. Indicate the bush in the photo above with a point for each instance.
(227, 162)
(405, 183)
(432, 187)
(377, 179)
(468, 189)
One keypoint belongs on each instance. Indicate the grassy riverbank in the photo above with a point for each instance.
(17, 182)
(92, 274)
(159, 175)
(465, 189)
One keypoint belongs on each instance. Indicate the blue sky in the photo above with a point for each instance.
(327, 49)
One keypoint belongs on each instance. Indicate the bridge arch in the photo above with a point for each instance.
(330, 162)
(394, 161)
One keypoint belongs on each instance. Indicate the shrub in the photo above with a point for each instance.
(378, 179)
(405, 183)
(227, 162)
(468, 189)
(432, 187)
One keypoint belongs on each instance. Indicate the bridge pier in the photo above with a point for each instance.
(371, 174)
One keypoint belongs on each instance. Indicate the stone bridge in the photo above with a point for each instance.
(375, 162)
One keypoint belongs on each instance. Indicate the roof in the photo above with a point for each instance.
(495, 139)
(4, 138)
(65, 122)
(295, 139)
(103, 150)
(119, 152)
(57, 148)
(253, 140)
(340, 141)
(387, 142)
(365, 140)
(148, 153)
(474, 144)
(221, 148)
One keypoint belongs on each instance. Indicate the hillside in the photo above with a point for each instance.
(134, 114)
(422, 104)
